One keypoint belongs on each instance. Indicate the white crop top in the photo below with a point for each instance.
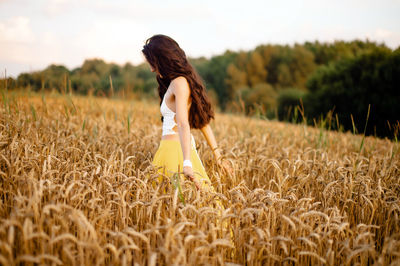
(169, 121)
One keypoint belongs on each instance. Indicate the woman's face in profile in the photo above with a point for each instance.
(153, 69)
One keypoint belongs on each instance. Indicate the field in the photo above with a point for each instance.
(77, 188)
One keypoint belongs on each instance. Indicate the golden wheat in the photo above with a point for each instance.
(78, 189)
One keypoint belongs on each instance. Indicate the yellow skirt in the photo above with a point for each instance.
(169, 160)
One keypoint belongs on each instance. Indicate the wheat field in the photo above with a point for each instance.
(78, 188)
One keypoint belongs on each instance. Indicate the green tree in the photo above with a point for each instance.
(256, 71)
(349, 86)
(260, 99)
(55, 77)
(288, 101)
(215, 75)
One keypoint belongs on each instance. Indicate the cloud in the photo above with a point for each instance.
(382, 33)
(390, 38)
(16, 40)
(21, 47)
(17, 30)
(54, 8)
(118, 40)
(148, 11)
(114, 39)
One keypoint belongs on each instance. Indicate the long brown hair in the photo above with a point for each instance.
(164, 54)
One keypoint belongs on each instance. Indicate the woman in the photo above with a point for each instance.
(184, 105)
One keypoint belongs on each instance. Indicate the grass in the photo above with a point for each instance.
(78, 188)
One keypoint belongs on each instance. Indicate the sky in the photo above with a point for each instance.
(37, 33)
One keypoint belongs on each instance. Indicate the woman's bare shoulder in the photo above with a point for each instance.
(180, 85)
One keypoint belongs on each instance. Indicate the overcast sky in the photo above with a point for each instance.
(36, 33)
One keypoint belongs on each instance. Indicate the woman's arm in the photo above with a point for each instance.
(209, 136)
(180, 88)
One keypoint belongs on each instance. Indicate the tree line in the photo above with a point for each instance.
(340, 80)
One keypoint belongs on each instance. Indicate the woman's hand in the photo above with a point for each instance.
(188, 173)
(226, 166)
